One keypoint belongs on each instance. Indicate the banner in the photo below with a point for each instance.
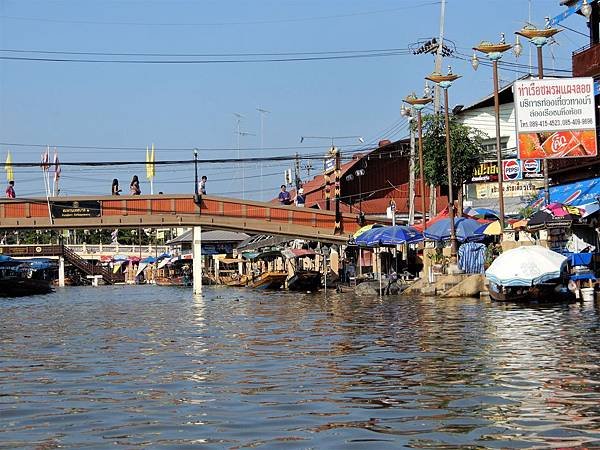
(555, 118)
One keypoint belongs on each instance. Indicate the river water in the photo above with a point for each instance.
(154, 367)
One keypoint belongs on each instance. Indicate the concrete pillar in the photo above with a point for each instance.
(61, 271)
(197, 255)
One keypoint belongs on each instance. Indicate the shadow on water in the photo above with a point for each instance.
(156, 366)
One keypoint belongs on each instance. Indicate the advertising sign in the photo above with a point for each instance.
(486, 171)
(555, 118)
(329, 165)
(511, 170)
(532, 168)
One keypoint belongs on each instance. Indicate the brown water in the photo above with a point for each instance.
(127, 367)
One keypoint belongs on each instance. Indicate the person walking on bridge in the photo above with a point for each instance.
(203, 185)
(10, 189)
(134, 186)
(115, 187)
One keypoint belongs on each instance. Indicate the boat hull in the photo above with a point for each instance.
(21, 287)
(269, 280)
(305, 280)
(541, 293)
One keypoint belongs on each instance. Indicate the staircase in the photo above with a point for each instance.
(90, 269)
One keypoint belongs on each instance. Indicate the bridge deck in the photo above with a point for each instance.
(174, 211)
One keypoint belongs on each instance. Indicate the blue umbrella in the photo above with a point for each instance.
(148, 260)
(395, 235)
(466, 230)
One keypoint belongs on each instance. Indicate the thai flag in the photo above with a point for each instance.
(57, 169)
(45, 163)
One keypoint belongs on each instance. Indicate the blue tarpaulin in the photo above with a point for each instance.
(574, 194)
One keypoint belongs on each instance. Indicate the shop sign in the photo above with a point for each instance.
(511, 170)
(523, 188)
(486, 171)
(555, 118)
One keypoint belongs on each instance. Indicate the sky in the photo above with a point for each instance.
(107, 111)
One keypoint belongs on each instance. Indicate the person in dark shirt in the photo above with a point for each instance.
(284, 196)
(134, 186)
(115, 187)
(300, 198)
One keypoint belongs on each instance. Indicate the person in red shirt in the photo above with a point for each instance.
(10, 190)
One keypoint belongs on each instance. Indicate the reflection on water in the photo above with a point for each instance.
(153, 366)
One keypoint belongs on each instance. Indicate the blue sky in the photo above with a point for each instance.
(185, 106)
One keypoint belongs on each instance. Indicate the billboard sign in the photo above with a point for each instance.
(555, 118)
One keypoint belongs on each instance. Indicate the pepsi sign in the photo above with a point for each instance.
(511, 170)
(532, 168)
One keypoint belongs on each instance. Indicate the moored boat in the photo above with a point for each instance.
(529, 273)
(269, 280)
(305, 280)
(19, 279)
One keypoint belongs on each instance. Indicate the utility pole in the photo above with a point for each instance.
(437, 96)
(411, 178)
(297, 180)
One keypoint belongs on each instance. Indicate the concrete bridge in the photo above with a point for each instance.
(157, 211)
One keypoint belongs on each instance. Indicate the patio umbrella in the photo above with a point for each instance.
(482, 213)
(398, 235)
(466, 230)
(546, 219)
(490, 229)
(526, 266)
(365, 228)
(120, 258)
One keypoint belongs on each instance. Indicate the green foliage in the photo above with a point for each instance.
(466, 150)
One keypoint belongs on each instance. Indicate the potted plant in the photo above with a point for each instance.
(438, 261)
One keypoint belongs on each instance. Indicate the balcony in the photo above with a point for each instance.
(586, 61)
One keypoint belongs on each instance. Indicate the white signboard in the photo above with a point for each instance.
(555, 118)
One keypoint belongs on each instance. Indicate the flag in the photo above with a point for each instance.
(114, 236)
(150, 163)
(45, 163)
(10, 176)
(57, 169)
(152, 159)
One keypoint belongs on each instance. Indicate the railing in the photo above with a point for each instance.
(90, 269)
(148, 250)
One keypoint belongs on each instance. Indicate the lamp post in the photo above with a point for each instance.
(418, 104)
(445, 81)
(539, 37)
(494, 53)
(196, 194)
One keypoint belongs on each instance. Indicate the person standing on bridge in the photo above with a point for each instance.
(10, 189)
(115, 187)
(300, 198)
(284, 196)
(203, 185)
(134, 186)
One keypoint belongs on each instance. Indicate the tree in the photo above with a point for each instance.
(465, 145)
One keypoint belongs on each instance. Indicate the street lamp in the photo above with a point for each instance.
(418, 104)
(196, 195)
(540, 37)
(494, 53)
(445, 81)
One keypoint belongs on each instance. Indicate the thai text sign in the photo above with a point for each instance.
(486, 171)
(555, 118)
(525, 188)
(75, 209)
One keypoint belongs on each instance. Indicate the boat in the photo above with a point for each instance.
(305, 280)
(19, 279)
(529, 273)
(269, 280)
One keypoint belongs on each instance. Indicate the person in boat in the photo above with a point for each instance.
(300, 199)
(115, 187)
(10, 189)
(134, 186)
(284, 196)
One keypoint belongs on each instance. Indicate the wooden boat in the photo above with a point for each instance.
(548, 292)
(174, 281)
(268, 280)
(234, 280)
(305, 280)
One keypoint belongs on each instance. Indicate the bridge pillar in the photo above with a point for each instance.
(61, 271)
(197, 255)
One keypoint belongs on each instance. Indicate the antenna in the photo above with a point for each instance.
(262, 113)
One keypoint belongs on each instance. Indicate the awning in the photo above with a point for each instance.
(297, 252)
(575, 194)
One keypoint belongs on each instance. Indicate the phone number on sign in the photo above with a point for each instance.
(555, 123)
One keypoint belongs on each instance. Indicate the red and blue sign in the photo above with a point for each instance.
(575, 194)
